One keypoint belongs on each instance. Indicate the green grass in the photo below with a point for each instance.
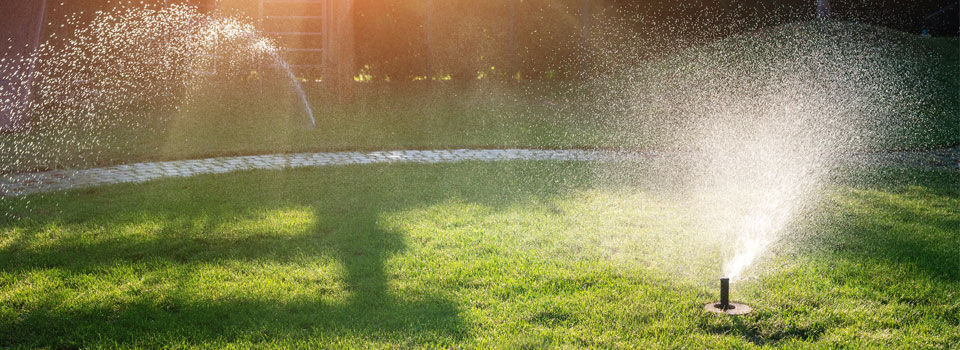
(899, 89)
(471, 255)
(233, 118)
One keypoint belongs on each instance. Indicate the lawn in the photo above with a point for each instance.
(636, 105)
(518, 254)
(229, 118)
(466, 255)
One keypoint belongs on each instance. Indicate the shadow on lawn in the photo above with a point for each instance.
(369, 309)
(908, 223)
(879, 238)
(346, 204)
(761, 329)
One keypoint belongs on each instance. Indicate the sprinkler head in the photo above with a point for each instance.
(725, 293)
(724, 306)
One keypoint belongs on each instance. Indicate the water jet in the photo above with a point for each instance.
(724, 306)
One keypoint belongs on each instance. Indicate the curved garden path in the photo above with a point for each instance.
(57, 180)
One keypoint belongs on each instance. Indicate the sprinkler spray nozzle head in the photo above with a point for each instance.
(725, 306)
(725, 293)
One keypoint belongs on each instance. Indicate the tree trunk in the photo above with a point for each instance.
(431, 64)
(512, 66)
(339, 54)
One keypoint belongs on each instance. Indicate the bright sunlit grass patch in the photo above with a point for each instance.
(277, 222)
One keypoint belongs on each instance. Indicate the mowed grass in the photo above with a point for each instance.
(233, 118)
(227, 117)
(465, 255)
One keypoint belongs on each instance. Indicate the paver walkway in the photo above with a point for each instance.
(29, 183)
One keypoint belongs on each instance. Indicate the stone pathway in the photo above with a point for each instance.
(29, 183)
(58, 180)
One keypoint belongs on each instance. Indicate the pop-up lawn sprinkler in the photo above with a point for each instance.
(725, 306)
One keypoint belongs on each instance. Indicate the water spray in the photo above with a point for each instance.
(725, 306)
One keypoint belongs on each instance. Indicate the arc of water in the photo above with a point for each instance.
(262, 45)
(280, 62)
(296, 85)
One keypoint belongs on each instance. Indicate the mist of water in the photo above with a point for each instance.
(127, 68)
(755, 125)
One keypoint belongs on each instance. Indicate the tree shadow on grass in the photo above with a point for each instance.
(369, 308)
(346, 205)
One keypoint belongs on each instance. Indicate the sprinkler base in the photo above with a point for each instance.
(732, 309)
